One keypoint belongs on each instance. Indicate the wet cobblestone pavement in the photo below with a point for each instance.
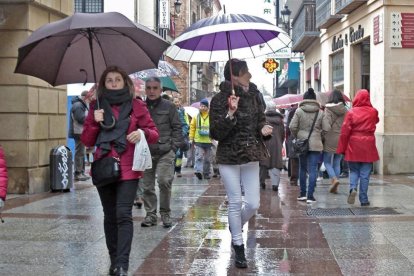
(62, 233)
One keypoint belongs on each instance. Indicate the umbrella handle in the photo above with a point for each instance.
(110, 126)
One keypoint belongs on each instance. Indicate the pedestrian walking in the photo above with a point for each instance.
(274, 163)
(122, 116)
(185, 127)
(357, 142)
(238, 123)
(200, 137)
(165, 115)
(332, 120)
(308, 115)
(293, 162)
(3, 180)
(78, 113)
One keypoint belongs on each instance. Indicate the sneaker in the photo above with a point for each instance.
(334, 186)
(365, 204)
(166, 220)
(138, 202)
(275, 188)
(206, 176)
(344, 175)
(302, 197)
(81, 177)
(179, 174)
(149, 221)
(199, 175)
(352, 195)
(310, 199)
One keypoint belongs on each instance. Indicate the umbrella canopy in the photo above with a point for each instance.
(78, 48)
(192, 111)
(211, 39)
(195, 105)
(165, 69)
(287, 100)
(167, 84)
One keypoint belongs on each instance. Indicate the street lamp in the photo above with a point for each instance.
(177, 6)
(286, 17)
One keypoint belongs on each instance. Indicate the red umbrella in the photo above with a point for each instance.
(287, 100)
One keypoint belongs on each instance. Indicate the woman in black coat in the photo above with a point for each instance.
(237, 122)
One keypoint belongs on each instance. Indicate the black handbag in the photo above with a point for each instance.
(301, 146)
(105, 171)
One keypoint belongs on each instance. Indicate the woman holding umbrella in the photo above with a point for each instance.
(238, 123)
(116, 96)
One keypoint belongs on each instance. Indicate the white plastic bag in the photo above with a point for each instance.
(142, 155)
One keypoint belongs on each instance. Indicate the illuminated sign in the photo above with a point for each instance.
(271, 65)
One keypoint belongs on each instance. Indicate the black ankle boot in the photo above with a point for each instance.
(239, 257)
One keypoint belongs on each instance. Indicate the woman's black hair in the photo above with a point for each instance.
(309, 95)
(238, 66)
(336, 97)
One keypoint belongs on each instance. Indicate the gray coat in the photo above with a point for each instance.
(332, 120)
(302, 122)
(165, 116)
(275, 143)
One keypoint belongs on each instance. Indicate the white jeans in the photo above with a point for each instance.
(235, 178)
(275, 176)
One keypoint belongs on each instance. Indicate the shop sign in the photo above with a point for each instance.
(282, 53)
(337, 43)
(378, 29)
(402, 30)
(164, 14)
(355, 35)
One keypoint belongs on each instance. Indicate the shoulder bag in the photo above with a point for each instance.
(301, 146)
(105, 171)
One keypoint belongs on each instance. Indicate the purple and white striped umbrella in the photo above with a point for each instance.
(212, 39)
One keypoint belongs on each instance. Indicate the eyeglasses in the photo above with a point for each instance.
(152, 87)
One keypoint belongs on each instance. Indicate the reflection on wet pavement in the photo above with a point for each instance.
(61, 234)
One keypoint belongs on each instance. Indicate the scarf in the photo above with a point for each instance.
(117, 134)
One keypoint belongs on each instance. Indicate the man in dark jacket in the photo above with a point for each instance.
(78, 114)
(165, 115)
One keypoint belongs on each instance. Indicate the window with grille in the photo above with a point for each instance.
(89, 6)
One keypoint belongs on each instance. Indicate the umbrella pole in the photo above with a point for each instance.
(230, 63)
(94, 78)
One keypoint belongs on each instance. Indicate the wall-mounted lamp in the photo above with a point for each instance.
(177, 6)
(286, 17)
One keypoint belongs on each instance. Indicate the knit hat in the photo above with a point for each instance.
(309, 95)
(204, 102)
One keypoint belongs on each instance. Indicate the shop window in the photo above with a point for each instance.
(89, 6)
(337, 62)
(365, 64)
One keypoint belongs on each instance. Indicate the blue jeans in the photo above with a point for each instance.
(308, 164)
(360, 171)
(203, 153)
(332, 163)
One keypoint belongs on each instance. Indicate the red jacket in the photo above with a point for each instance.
(140, 118)
(357, 139)
(3, 175)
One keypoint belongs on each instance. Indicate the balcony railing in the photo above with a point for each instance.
(348, 6)
(304, 30)
(325, 14)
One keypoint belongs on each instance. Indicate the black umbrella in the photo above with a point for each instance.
(78, 48)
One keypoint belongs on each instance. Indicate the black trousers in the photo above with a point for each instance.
(117, 200)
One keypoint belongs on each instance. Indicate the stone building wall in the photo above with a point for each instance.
(32, 113)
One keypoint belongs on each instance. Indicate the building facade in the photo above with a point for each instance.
(32, 113)
(355, 44)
